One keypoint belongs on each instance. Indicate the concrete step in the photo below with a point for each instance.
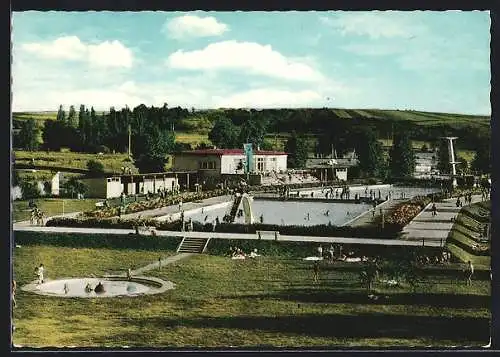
(192, 245)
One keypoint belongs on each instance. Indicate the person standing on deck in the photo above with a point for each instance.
(316, 272)
(469, 271)
(39, 272)
(320, 251)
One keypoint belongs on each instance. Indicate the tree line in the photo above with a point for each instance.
(153, 133)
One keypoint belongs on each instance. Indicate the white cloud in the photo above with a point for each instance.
(99, 98)
(244, 56)
(371, 49)
(194, 26)
(375, 24)
(269, 98)
(104, 54)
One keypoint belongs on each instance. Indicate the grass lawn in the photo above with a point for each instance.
(219, 302)
(51, 207)
(192, 139)
(111, 162)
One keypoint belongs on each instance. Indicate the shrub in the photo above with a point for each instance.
(318, 230)
(95, 167)
(29, 190)
(103, 148)
(131, 241)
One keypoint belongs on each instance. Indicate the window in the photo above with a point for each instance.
(207, 165)
(260, 164)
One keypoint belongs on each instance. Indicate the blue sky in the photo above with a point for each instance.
(422, 60)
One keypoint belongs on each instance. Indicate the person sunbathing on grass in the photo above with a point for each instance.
(253, 253)
(99, 288)
(88, 288)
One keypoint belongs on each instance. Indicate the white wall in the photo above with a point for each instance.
(55, 184)
(341, 175)
(152, 185)
(229, 163)
(114, 189)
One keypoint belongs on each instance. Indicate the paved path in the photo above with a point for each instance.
(164, 262)
(174, 209)
(67, 215)
(218, 235)
(434, 228)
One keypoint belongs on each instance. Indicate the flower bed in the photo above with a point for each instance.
(152, 204)
(403, 213)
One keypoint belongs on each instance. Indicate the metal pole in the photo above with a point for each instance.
(129, 140)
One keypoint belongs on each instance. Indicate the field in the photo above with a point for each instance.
(111, 162)
(51, 207)
(192, 139)
(219, 302)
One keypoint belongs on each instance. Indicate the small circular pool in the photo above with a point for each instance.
(112, 286)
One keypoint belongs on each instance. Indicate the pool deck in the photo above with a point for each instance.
(174, 209)
(434, 228)
(423, 229)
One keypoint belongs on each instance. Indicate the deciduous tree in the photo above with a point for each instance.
(28, 136)
(402, 157)
(296, 147)
(224, 134)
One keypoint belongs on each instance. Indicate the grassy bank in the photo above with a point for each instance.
(219, 302)
(111, 162)
(51, 207)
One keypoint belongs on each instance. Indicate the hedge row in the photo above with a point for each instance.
(303, 249)
(317, 230)
(78, 240)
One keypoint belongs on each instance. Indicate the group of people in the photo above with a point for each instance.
(373, 194)
(237, 253)
(443, 258)
(99, 288)
(37, 216)
(335, 252)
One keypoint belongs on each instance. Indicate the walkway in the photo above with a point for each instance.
(218, 235)
(163, 262)
(174, 209)
(434, 228)
(28, 224)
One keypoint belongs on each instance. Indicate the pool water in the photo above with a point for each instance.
(76, 287)
(290, 213)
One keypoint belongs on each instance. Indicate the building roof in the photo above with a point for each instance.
(221, 152)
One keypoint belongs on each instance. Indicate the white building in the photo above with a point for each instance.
(114, 186)
(216, 162)
(425, 163)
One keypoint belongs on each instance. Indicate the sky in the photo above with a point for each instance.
(418, 60)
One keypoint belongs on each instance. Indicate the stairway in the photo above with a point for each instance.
(192, 245)
(235, 206)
